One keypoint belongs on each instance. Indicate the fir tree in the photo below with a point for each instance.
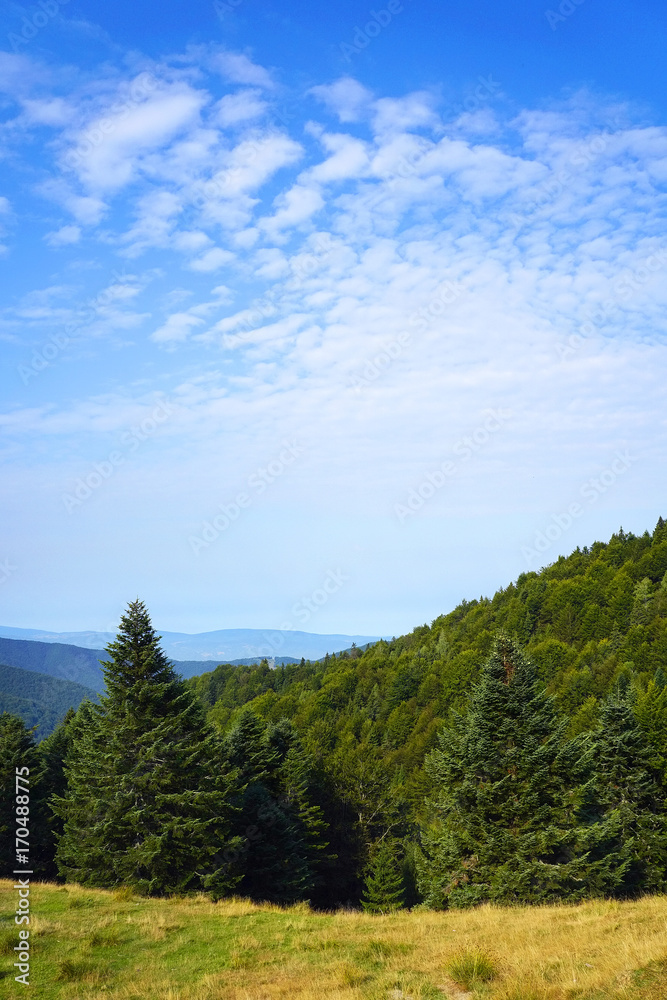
(630, 802)
(19, 750)
(52, 754)
(273, 862)
(506, 828)
(383, 885)
(299, 792)
(147, 803)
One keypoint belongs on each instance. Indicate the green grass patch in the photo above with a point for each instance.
(472, 968)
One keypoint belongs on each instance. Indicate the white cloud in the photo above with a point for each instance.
(88, 210)
(347, 98)
(65, 236)
(177, 328)
(293, 208)
(240, 69)
(110, 149)
(190, 241)
(212, 260)
(243, 106)
(467, 238)
(251, 163)
(396, 115)
(52, 111)
(349, 159)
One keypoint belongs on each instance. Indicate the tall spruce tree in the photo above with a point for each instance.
(629, 801)
(506, 798)
(280, 829)
(147, 802)
(384, 889)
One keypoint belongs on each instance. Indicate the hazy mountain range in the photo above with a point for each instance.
(223, 645)
(43, 673)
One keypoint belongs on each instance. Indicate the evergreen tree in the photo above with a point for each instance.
(299, 794)
(650, 709)
(147, 803)
(52, 753)
(383, 885)
(631, 802)
(506, 815)
(273, 862)
(18, 750)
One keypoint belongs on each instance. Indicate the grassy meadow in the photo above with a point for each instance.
(93, 944)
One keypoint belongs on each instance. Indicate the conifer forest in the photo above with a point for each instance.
(512, 752)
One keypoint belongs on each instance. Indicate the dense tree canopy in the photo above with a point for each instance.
(515, 749)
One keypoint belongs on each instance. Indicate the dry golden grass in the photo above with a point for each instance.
(90, 945)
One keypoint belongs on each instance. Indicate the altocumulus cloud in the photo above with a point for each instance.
(333, 236)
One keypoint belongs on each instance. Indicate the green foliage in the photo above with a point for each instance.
(383, 885)
(588, 622)
(40, 700)
(18, 749)
(146, 803)
(503, 775)
(279, 825)
(631, 802)
(471, 968)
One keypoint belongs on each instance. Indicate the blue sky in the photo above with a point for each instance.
(363, 302)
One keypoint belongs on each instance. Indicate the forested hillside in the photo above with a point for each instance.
(40, 700)
(513, 751)
(592, 623)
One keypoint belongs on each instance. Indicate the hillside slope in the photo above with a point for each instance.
(589, 621)
(39, 699)
(75, 663)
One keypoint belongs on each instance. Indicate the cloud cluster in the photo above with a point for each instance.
(518, 256)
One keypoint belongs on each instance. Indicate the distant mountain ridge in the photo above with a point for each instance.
(221, 646)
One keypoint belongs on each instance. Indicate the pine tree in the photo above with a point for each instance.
(383, 886)
(147, 803)
(506, 827)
